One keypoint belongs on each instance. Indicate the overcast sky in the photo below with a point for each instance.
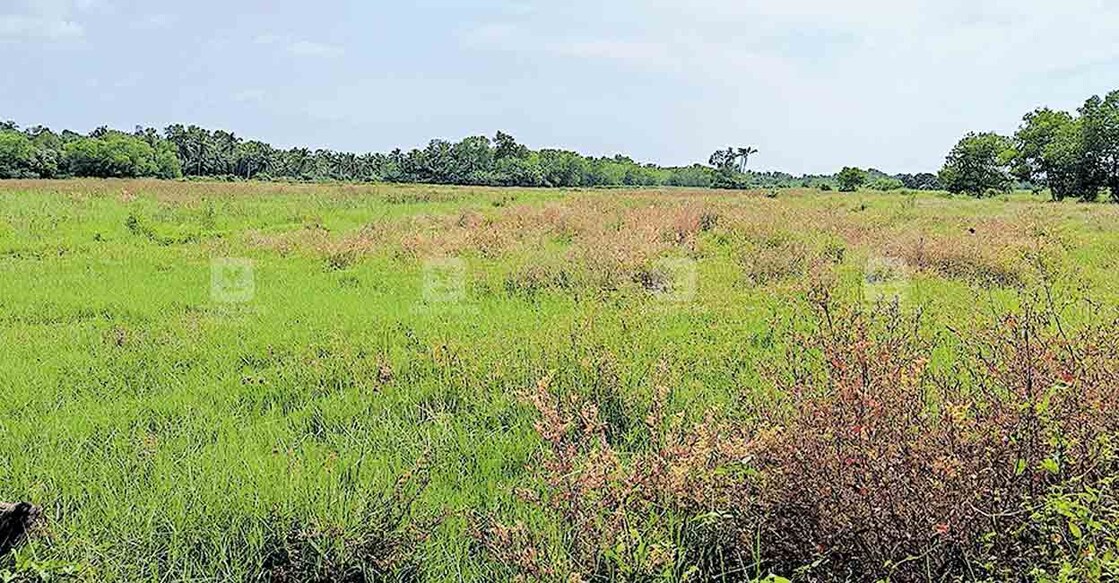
(813, 84)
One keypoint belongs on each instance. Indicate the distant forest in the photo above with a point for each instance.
(194, 152)
(1068, 155)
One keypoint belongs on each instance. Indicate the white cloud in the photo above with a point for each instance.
(46, 20)
(23, 27)
(299, 47)
(513, 38)
(866, 81)
(305, 48)
(157, 21)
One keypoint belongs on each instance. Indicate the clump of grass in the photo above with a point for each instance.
(774, 256)
(383, 545)
(977, 262)
(537, 277)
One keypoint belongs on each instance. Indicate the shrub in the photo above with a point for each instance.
(537, 277)
(870, 464)
(887, 184)
(639, 516)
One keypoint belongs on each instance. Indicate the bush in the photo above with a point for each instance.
(866, 463)
(887, 184)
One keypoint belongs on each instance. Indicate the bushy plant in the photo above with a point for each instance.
(871, 464)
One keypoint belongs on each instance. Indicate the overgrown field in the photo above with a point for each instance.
(269, 382)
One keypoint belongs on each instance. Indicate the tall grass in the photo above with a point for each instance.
(348, 423)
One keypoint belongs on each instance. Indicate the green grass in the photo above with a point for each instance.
(169, 436)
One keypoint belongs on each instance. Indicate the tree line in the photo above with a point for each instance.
(1070, 155)
(194, 152)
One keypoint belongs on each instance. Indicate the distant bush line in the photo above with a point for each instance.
(194, 152)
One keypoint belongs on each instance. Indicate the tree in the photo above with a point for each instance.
(17, 155)
(473, 160)
(851, 179)
(253, 158)
(119, 155)
(732, 159)
(517, 171)
(196, 149)
(978, 165)
(166, 158)
(1100, 134)
(1049, 153)
(729, 171)
(723, 160)
(919, 181)
(48, 151)
(506, 146)
(744, 154)
(563, 168)
(695, 175)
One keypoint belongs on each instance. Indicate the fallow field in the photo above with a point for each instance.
(282, 382)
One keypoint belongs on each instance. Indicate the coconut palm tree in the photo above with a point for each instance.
(744, 155)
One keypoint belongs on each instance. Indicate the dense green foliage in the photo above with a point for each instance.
(39, 153)
(1100, 135)
(17, 155)
(1050, 152)
(195, 152)
(851, 179)
(1073, 156)
(979, 165)
(119, 155)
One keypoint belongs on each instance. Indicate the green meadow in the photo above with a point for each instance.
(280, 382)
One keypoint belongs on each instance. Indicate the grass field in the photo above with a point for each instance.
(213, 382)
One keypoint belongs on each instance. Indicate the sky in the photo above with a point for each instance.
(813, 84)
